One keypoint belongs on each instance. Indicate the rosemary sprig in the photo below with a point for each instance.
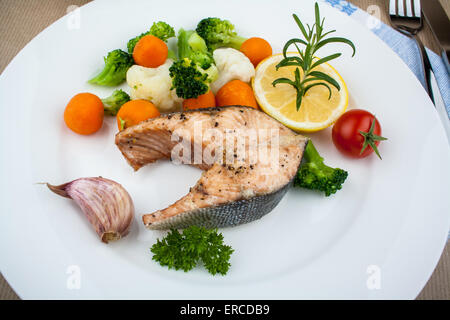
(314, 39)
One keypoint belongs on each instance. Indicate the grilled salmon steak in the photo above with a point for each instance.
(249, 161)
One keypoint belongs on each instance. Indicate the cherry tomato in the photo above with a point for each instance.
(357, 133)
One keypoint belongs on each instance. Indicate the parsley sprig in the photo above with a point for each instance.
(185, 250)
(314, 39)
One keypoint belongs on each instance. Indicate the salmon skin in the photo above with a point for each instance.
(249, 161)
(224, 215)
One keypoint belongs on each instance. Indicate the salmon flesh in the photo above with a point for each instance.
(249, 162)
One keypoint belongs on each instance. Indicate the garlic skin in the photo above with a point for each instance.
(105, 203)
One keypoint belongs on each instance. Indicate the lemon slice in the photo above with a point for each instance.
(316, 112)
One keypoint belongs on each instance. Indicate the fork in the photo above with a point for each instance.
(406, 17)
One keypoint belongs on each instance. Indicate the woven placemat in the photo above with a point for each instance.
(22, 20)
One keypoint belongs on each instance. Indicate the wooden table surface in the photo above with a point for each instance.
(22, 20)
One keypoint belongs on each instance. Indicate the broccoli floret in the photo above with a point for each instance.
(184, 49)
(193, 47)
(113, 103)
(219, 33)
(189, 79)
(159, 29)
(162, 30)
(315, 175)
(171, 55)
(196, 43)
(195, 70)
(117, 63)
(132, 42)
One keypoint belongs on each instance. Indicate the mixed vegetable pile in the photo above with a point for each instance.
(213, 66)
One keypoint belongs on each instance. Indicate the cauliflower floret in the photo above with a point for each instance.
(232, 65)
(154, 84)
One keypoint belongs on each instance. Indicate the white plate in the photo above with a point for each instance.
(389, 223)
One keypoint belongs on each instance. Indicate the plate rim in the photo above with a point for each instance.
(37, 37)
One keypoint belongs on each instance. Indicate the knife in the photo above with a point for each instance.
(440, 107)
(440, 26)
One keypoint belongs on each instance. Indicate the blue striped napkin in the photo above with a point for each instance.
(405, 47)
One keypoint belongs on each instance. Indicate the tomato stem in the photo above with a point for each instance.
(370, 138)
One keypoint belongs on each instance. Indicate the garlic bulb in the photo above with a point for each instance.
(106, 204)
